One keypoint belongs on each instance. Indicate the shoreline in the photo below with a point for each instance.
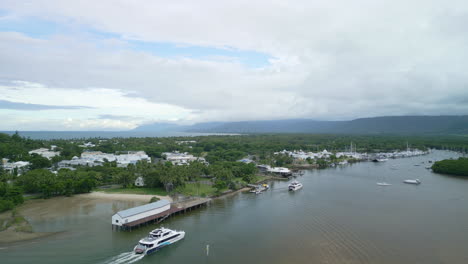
(11, 236)
(18, 229)
(123, 196)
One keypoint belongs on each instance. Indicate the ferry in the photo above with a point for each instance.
(158, 239)
(294, 186)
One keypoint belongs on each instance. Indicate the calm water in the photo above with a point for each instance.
(341, 216)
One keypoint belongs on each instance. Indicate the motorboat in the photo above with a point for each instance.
(294, 186)
(383, 184)
(379, 159)
(256, 191)
(158, 239)
(260, 188)
(415, 181)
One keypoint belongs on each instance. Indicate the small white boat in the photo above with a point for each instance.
(294, 186)
(416, 181)
(158, 239)
(383, 184)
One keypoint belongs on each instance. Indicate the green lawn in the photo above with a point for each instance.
(135, 190)
(193, 189)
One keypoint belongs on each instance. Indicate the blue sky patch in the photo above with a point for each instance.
(4, 104)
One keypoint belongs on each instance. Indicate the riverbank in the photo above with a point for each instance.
(59, 207)
(15, 228)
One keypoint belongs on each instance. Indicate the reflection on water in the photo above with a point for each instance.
(340, 216)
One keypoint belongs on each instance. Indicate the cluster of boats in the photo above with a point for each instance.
(157, 239)
(161, 237)
(258, 189)
(410, 181)
(293, 186)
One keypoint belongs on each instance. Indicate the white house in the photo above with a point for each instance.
(140, 212)
(87, 145)
(140, 181)
(21, 166)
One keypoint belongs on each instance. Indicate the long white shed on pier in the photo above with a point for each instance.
(140, 212)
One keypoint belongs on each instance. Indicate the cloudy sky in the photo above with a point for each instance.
(114, 65)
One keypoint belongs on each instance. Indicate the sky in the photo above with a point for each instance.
(118, 64)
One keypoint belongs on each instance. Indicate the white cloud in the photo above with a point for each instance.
(103, 109)
(332, 59)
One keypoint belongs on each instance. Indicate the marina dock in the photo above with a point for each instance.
(158, 217)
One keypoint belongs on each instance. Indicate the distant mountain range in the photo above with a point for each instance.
(373, 125)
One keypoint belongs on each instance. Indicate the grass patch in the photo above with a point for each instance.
(260, 178)
(135, 190)
(194, 189)
(24, 228)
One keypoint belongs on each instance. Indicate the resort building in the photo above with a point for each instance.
(97, 158)
(46, 153)
(178, 158)
(20, 166)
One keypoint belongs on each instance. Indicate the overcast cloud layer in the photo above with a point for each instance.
(331, 60)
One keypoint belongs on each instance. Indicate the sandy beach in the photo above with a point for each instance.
(123, 196)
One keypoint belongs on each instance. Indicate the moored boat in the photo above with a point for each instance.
(158, 239)
(383, 184)
(415, 181)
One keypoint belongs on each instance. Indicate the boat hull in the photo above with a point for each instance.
(293, 189)
(416, 182)
(159, 247)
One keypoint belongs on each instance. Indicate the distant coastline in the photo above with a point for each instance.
(49, 135)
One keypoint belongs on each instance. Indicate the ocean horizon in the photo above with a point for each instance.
(50, 135)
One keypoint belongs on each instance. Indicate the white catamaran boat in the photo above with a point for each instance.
(158, 239)
(416, 181)
(294, 186)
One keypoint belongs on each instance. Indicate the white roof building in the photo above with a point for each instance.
(46, 153)
(87, 145)
(177, 158)
(97, 158)
(21, 166)
(140, 212)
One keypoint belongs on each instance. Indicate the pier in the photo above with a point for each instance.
(175, 209)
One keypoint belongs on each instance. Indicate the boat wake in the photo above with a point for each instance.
(127, 257)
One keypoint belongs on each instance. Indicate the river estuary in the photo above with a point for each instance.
(340, 216)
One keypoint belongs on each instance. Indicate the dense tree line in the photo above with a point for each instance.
(222, 152)
(65, 182)
(454, 167)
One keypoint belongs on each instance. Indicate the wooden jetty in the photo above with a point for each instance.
(175, 209)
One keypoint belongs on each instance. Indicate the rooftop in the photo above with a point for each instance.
(143, 208)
